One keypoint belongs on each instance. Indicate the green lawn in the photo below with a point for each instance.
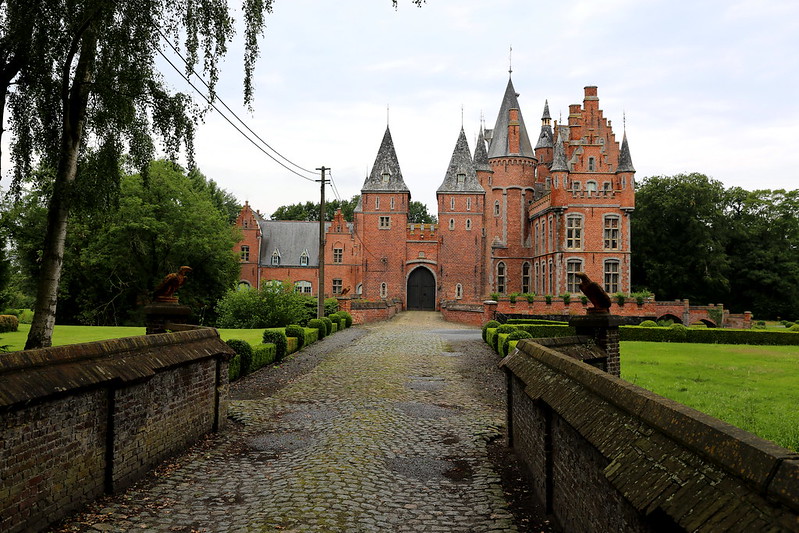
(752, 387)
(77, 334)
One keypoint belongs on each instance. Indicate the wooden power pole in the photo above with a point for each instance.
(320, 310)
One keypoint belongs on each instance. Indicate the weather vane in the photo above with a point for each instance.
(510, 61)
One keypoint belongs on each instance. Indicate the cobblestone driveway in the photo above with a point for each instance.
(382, 435)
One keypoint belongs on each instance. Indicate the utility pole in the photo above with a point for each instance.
(320, 310)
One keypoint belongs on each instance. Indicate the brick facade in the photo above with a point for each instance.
(512, 218)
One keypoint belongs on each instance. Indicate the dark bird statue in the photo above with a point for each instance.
(170, 284)
(599, 298)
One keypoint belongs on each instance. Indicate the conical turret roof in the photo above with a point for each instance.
(545, 137)
(386, 175)
(625, 161)
(499, 141)
(480, 153)
(461, 175)
(559, 163)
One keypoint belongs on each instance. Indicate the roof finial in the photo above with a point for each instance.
(461, 116)
(387, 116)
(510, 61)
(624, 121)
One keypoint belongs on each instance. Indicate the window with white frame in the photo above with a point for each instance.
(611, 276)
(501, 277)
(338, 255)
(574, 232)
(451, 223)
(275, 258)
(469, 224)
(385, 222)
(303, 287)
(551, 224)
(590, 186)
(525, 277)
(591, 164)
(245, 252)
(304, 258)
(458, 291)
(496, 208)
(611, 232)
(460, 179)
(337, 286)
(551, 278)
(468, 204)
(383, 290)
(392, 202)
(573, 266)
(452, 204)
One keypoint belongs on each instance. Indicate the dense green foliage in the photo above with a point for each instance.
(717, 245)
(262, 355)
(275, 304)
(244, 351)
(513, 336)
(298, 332)
(490, 324)
(328, 325)
(8, 323)
(347, 318)
(417, 211)
(681, 333)
(278, 338)
(114, 258)
(234, 368)
(319, 325)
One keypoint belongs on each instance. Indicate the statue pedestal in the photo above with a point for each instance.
(604, 328)
(159, 315)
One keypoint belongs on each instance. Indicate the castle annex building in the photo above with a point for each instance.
(514, 217)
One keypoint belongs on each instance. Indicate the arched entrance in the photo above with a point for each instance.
(421, 290)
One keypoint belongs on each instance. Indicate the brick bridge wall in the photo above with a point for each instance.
(364, 312)
(82, 420)
(605, 455)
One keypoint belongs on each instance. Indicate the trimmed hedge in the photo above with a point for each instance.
(243, 349)
(8, 323)
(262, 355)
(298, 332)
(709, 336)
(347, 318)
(278, 338)
(328, 325)
(319, 325)
(234, 368)
(490, 324)
(517, 335)
(533, 321)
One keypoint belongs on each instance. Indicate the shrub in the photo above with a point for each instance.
(503, 329)
(490, 324)
(337, 319)
(639, 300)
(328, 325)
(648, 324)
(513, 336)
(297, 332)
(548, 299)
(494, 296)
(273, 305)
(665, 323)
(278, 338)
(584, 299)
(319, 325)
(709, 336)
(8, 323)
(331, 306)
(347, 318)
(795, 328)
(567, 298)
(530, 297)
(620, 298)
(262, 355)
(512, 297)
(234, 368)
(244, 350)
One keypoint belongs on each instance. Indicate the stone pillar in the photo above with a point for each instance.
(344, 303)
(604, 329)
(489, 310)
(747, 319)
(159, 316)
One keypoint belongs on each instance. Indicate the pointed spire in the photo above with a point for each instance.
(499, 139)
(559, 163)
(461, 175)
(545, 137)
(545, 116)
(386, 174)
(480, 153)
(625, 161)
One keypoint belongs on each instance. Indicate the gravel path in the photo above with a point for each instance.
(394, 426)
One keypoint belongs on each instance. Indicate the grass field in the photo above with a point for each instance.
(752, 387)
(77, 334)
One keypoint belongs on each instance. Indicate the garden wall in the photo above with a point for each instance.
(364, 312)
(82, 420)
(605, 455)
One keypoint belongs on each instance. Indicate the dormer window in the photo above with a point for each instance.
(460, 179)
(304, 258)
(276, 258)
(386, 176)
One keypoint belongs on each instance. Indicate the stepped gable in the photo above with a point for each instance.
(461, 175)
(480, 153)
(386, 175)
(625, 161)
(559, 158)
(545, 137)
(499, 140)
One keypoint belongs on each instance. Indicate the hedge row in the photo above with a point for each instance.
(534, 321)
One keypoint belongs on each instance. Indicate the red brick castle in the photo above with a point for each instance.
(513, 218)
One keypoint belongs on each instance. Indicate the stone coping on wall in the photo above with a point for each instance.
(618, 418)
(31, 375)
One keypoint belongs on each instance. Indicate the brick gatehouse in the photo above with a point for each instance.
(513, 218)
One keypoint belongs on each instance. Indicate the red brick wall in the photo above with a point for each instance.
(250, 237)
(382, 262)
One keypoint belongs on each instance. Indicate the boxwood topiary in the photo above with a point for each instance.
(297, 332)
(513, 336)
(262, 355)
(347, 318)
(648, 324)
(234, 368)
(244, 350)
(319, 325)
(490, 324)
(278, 338)
(328, 325)
(795, 328)
(506, 328)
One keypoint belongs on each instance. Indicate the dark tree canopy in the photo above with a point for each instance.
(417, 211)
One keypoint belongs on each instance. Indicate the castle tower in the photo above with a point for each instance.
(510, 190)
(380, 225)
(461, 205)
(249, 248)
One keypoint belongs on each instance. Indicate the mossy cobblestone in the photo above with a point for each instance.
(382, 435)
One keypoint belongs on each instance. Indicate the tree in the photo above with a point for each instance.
(275, 304)
(309, 211)
(418, 214)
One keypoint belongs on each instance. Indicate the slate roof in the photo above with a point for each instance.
(480, 153)
(385, 163)
(545, 137)
(290, 238)
(625, 161)
(559, 157)
(499, 140)
(461, 164)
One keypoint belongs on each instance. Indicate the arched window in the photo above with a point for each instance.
(573, 266)
(458, 291)
(551, 233)
(243, 285)
(452, 223)
(525, 277)
(383, 290)
(612, 271)
(544, 278)
(276, 258)
(552, 288)
(496, 208)
(304, 258)
(590, 186)
(501, 277)
(468, 223)
(359, 289)
(537, 280)
(537, 243)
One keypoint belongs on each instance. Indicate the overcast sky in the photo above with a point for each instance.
(707, 86)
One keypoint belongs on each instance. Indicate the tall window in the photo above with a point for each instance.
(458, 291)
(468, 204)
(537, 280)
(468, 223)
(338, 255)
(385, 222)
(552, 288)
(392, 202)
(383, 290)
(544, 278)
(551, 240)
(591, 164)
(574, 232)
(543, 236)
(275, 258)
(611, 232)
(501, 277)
(304, 258)
(337, 286)
(452, 204)
(537, 238)
(245, 253)
(611, 276)
(460, 179)
(526, 277)
(573, 266)
(377, 202)
(496, 208)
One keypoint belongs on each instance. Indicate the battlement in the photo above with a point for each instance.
(422, 231)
